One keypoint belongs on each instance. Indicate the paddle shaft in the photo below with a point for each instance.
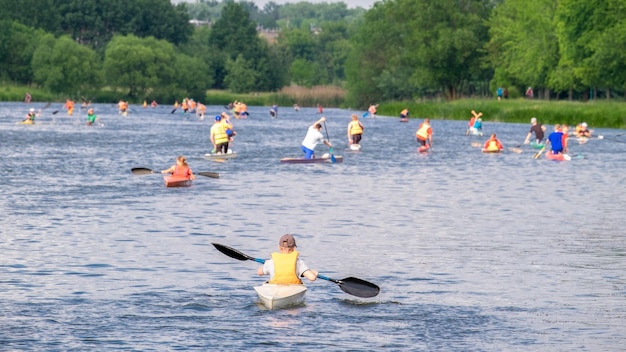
(146, 171)
(330, 150)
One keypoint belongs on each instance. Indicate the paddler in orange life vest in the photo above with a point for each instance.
(404, 114)
(180, 169)
(69, 105)
(286, 267)
(372, 110)
(493, 144)
(424, 133)
(355, 130)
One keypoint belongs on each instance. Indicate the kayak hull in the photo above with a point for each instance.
(280, 296)
(176, 181)
(496, 150)
(338, 159)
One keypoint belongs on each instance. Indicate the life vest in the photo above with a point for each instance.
(355, 128)
(422, 132)
(471, 122)
(219, 133)
(181, 171)
(285, 268)
(492, 145)
(404, 112)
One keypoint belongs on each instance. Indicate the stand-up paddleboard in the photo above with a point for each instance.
(338, 159)
(536, 145)
(355, 147)
(404, 119)
(423, 148)
(228, 155)
(559, 157)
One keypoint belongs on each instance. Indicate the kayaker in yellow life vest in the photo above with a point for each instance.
(355, 130)
(286, 267)
(219, 138)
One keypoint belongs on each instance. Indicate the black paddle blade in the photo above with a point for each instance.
(141, 171)
(209, 174)
(358, 287)
(231, 252)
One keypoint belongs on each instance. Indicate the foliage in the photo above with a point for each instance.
(241, 76)
(62, 65)
(17, 45)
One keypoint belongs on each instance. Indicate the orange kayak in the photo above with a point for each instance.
(176, 181)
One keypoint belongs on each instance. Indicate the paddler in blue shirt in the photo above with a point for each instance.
(286, 267)
(555, 139)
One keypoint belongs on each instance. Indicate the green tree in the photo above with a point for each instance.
(64, 66)
(241, 77)
(523, 47)
(139, 64)
(17, 46)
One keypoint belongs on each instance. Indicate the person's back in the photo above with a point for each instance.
(556, 140)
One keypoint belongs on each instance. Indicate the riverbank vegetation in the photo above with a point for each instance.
(419, 51)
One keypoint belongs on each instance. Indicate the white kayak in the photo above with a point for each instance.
(280, 296)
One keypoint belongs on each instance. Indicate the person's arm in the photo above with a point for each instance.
(310, 274)
(321, 120)
(260, 271)
(169, 171)
(191, 175)
(527, 140)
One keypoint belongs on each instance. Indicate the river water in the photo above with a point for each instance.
(472, 251)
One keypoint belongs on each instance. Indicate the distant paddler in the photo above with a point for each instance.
(404, 115)
(538, 129)
(274, 111)
(582, 130)
(91, 117)
(372, 110)
(424, 135)
(492, 145)
(30, 117)
(123, 107)
(355, 131)
(201, 110)
(69, 105)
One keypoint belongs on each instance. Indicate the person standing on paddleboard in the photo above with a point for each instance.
(555, 139)
(355, 130)
(219, 138)
(286, 267)
(314, 137)
(536, 128)
(424, 133)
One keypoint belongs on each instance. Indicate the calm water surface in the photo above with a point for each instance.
(473, 252)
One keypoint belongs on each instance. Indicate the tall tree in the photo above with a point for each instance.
(64, 66)
(523, 47)
(17, 46)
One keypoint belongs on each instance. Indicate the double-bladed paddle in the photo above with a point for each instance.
(350, 285)
(146, 171)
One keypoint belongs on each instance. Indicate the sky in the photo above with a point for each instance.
(366, 4)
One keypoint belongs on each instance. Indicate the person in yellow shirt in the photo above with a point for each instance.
(218, 136)
(286, 267)
(355, 131)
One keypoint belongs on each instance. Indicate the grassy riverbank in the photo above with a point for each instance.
(597, 113)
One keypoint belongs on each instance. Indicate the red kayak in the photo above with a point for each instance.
(176, 181)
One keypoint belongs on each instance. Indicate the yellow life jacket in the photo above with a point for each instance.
(219, 133)
(355, 128)
(285, 268)
(422, 132)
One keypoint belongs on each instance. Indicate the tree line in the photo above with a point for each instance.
(396, 51)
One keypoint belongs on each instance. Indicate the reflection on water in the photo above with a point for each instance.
(472, 251)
